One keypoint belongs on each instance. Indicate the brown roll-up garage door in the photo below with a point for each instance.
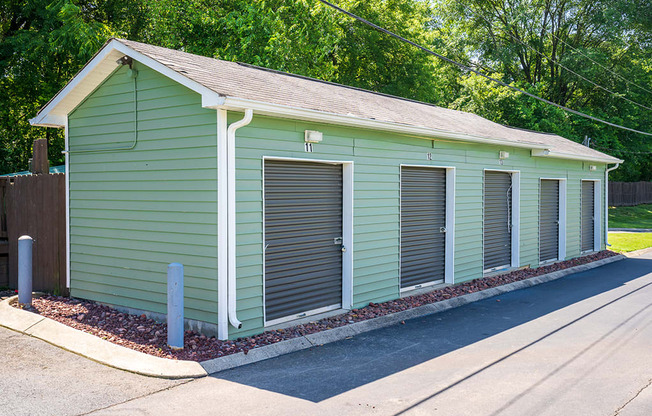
(588, 215)
(549, 220)
(497, 220)
(303, 231)
(423, 222)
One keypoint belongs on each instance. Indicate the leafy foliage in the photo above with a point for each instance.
(571, 52)
(43, 43)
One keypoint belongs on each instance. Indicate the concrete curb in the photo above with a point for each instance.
(347, 331)
(93, 347)
(637, 253)
(124, 358)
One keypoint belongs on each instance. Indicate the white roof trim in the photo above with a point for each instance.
(96, 71)
(568, 156)
(283, 111)
(55, 113)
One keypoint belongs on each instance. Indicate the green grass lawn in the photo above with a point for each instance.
(639, 216)
(622, 242)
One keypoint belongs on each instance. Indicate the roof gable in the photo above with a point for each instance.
(232, 85)
(101, 66)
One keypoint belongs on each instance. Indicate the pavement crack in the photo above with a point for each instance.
(309, 342)
(135, 398)
(617, 412)
(24, 331)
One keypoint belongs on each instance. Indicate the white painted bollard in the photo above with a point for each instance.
(25, 243)
(175, 305)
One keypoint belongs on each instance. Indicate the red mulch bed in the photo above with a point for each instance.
(142, 334)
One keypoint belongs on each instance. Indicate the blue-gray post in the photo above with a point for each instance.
(25, 270)
(175, 305)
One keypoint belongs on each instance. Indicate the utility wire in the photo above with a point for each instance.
(467, 68)
(595, 84)
(599, 64)
(606, 149)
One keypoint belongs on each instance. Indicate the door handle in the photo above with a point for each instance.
(342, 248)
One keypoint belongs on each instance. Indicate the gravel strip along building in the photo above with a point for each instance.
(287, 197)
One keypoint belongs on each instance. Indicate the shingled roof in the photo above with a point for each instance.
(283, 91)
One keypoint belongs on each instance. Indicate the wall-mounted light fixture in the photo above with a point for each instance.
(503, 155)
(312, 136)
(592, 168)
(540, 152)
(125, 60)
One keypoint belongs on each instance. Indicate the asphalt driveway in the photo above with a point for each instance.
(37, 378)
(581, 345)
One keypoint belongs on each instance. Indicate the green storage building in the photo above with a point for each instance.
(287, 197)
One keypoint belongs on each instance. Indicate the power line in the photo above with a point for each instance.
(557, 62)
(606, 149)
(599, 64)
(467, 68)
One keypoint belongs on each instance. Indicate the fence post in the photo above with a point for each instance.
(25, 243)
(40, 163)
(175, 305)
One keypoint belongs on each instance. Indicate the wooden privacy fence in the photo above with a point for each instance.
(34, 205)
(625, 194)
(4, 244)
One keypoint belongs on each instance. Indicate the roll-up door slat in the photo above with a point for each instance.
(588, 215)
(303, 217)
(497, 219)
(549, 220)
(423, 214)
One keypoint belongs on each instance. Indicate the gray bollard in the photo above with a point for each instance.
(25, 243)
(175, 305)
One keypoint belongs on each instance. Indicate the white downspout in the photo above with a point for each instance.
(231, 213)
(606, 204)
(222, 228)
(66, 152)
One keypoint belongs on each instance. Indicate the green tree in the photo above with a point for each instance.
(42, 45)
(305, 37)
(536, 44)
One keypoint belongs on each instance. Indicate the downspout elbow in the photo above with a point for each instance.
(249, 113)
(232, 309)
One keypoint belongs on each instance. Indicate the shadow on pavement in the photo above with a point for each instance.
(322, 372)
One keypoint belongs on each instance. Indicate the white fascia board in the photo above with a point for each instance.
(283, 111)
(51, 115)
(209, 98)
(96, 71)
(49, 120)
(569, 156)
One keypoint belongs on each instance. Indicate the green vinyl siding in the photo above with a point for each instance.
(376, 158)
(135, 211)
(132, 212)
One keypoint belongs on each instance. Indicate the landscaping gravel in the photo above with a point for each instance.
(143, 334)
(7, 293)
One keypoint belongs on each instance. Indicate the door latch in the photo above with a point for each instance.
(337, 240)
(442, 229)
